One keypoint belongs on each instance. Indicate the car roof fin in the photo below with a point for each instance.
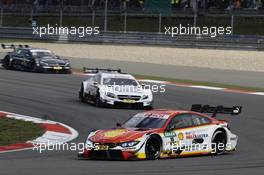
(97, 70)
(234, 110)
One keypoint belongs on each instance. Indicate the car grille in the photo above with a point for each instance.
(129, 97)
(110, 154)
(128, 105)
(57, 64)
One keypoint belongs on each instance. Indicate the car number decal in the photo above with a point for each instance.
(129, 101)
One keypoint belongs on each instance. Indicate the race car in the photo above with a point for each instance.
(164, 133)
(109, 87)
(26, 58)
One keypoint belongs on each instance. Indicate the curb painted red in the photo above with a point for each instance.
(17, 146)
(2, 114)
(56, 128)
(48, 126)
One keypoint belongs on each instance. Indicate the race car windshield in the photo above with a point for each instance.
(143, 122)
(42, 54)
(119, 81)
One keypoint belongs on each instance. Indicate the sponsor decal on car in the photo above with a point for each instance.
(101, 147)
(153, 115)
(195, 136)
(114, 133)
(57, 68)
(170, 134)
(180, 136)
(129, 101)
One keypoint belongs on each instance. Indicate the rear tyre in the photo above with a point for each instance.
(219, 142)
(153, 148)
(6, 63)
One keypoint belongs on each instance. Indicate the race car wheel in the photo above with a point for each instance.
(98, 101)
(148, 107)
(219, 142)
(34, 68)
(153, 148)
(81, 97)
(6, 63)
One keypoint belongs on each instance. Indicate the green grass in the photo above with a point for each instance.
(201, 83)
(18, 131)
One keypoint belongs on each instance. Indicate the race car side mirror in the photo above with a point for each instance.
(95, 83)
(118, 125)
(170, 128)
(145, 86)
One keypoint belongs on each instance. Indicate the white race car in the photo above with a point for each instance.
(113, 88)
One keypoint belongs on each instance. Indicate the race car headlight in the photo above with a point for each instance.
(89, 143)
(111, 95)
(144, 97)
(129, 144)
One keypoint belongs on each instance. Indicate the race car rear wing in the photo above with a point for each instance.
(13, 46)
(235, 110)
(97, 70)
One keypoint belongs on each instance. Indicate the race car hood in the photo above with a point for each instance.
(126, 90)
(118, 135)
(52, 61)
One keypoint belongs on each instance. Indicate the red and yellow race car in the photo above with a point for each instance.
(164, 134)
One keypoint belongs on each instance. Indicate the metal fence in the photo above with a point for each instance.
(130, 22)
(243, 21)
(226, 42)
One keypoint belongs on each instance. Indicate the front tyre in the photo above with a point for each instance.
(148, 107)
(34, 68)
(69, 72)
(81, 95)
(98, 102)
(219, 142)
(153, 148)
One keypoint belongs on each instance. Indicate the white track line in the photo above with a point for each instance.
(208, 87)
(192, 86)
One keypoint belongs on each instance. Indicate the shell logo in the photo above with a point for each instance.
(180, 136)
(114, 133)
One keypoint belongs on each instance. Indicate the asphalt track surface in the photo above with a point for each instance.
(231, 77)
(56, 96)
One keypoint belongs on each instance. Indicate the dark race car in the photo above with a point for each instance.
(34, 59)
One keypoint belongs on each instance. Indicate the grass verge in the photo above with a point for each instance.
(18, 131)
